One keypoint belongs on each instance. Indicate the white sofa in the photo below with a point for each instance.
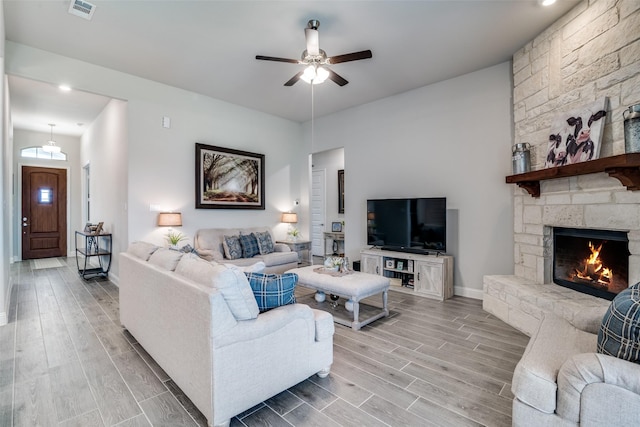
(562, 381)
(208, 242)
(190, 328)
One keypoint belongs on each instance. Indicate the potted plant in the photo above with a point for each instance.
(175, 237)
(333, 263)
(294, 233)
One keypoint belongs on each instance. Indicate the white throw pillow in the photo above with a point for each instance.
(166, 258)
(142, 250)
(234, 286)
(258, 267)
(195, 268)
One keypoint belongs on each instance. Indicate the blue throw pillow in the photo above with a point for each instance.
(249, 245)
(273, 290)
(265, 243)
(619, 334)
(232, 247)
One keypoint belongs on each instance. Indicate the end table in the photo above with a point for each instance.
(299, 246)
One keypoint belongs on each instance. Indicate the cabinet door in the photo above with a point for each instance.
(430, 278)
(371, 264)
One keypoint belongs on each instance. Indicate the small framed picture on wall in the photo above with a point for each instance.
(336, 227)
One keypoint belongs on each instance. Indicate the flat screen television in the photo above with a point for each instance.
(416, 225)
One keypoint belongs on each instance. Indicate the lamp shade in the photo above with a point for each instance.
(289, 217)
(170, 219)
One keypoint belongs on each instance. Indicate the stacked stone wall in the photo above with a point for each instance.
(590, 53)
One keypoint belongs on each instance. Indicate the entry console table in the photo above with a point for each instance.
(337, 243)
(429, 276)
(95, 249)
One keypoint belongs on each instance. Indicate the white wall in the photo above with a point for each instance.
(448, 139)
(161, 162)
(104, 148)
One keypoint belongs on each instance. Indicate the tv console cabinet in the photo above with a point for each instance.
(429, 276)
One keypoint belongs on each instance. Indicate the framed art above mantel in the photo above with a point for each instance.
(228, 178)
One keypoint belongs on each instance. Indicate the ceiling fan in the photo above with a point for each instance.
(316, 60)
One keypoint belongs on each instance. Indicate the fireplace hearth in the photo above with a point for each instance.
(594, 262)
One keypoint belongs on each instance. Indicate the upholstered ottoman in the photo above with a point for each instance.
(354, 285)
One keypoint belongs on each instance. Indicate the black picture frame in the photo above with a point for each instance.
(341, 191)
(228, 178)
(336, 227)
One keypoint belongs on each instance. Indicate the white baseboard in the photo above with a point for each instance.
(4, 319)
(467, 292)
(114, 279)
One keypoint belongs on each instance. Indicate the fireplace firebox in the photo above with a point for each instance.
(594, 262)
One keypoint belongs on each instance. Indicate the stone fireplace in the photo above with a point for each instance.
(589, 53)
(587, 202)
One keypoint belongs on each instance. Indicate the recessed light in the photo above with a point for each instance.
(64, 88)
(547, 2)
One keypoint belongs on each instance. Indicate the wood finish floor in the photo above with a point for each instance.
(66, 361)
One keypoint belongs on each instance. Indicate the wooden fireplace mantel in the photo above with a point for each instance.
(624, 167)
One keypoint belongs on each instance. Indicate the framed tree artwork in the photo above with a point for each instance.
(228, 179)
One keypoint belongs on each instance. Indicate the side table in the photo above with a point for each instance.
(89, 246)
(299, 246)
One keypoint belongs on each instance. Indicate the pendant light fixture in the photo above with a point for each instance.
(51, 146)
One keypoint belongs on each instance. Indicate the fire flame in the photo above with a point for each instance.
(593, 269)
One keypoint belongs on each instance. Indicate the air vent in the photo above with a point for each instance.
(82, 9)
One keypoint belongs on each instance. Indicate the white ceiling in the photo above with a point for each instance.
(209, 47)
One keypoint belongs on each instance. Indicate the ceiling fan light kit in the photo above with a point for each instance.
(314, 74)
(316, 60)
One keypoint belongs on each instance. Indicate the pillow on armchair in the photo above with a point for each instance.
(619, 334)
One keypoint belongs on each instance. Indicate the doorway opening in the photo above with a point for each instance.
(327, 199)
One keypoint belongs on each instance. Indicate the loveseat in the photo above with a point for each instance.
(564, 379)
(214, 244)
(201, 323)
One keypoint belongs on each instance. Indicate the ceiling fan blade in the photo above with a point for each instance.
(293, 80)
(364, 54)
(273, 58)
(341, 81)
(313, 41)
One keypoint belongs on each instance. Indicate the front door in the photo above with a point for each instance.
(44, 212)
